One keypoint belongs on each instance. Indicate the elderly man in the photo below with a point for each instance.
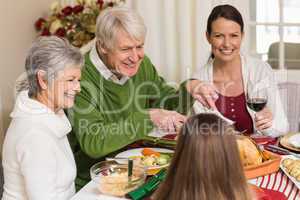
(122, 96)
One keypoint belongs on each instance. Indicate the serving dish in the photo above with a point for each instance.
(266, 167)
(297, 183)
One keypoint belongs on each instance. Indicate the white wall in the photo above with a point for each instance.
(17, 33)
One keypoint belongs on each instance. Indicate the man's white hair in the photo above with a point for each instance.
(112, 20)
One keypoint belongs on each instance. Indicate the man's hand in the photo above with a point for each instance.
(204, 92)
(263, 119)
(170, 121)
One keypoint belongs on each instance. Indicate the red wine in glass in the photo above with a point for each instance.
(256, 104)
(256, 98)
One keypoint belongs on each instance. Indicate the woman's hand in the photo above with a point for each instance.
(263, 119)
(204, 92)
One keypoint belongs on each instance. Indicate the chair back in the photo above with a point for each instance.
(290, 97)
(291, 51)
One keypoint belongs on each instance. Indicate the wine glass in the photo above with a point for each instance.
(257, 98)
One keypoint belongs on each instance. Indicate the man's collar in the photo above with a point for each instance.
(104, 71)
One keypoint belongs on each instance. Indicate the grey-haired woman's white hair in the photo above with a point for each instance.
(50, 54)
(111, 20)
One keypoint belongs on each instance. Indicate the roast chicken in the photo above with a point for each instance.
(249, 153)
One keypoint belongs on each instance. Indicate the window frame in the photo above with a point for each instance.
(281, 25)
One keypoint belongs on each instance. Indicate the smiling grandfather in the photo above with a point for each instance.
(122, 96)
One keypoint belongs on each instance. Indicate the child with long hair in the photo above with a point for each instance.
(206, 164)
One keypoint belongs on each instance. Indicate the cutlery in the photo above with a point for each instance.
(216, 112)
(130, 169)
(120, 160)
(240, 132)
(280, 150)
(261, 151)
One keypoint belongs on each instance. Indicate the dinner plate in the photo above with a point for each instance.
(131, 153)
(294, 140)
(263, 139)
(163, 135)
(138, 152)
(297, 183)
(285, 142)
(158, 133)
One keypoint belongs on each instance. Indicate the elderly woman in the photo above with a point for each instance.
(37, 159)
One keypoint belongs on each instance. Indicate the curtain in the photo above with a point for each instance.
(175, 40)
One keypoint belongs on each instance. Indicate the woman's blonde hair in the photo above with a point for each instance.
(206, 164)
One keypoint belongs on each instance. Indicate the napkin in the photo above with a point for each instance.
(149, 187)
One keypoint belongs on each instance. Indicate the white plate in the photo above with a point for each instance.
(297, 183)
(294, 140)
(158, 133)
(138, 152)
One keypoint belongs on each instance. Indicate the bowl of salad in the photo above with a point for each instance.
(152, 159)
(113, 180)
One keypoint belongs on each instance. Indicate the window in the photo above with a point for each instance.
(275, 26)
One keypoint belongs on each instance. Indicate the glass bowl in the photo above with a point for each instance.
(112, 177)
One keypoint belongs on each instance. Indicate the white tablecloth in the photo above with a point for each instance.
(90, 192)
(277, 181)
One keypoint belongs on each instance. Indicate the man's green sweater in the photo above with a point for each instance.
(107, 117)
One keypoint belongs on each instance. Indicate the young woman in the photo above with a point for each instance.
(206, 164)
(222, 82)
(37, 159)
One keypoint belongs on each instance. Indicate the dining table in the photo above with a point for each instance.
(274, 183)
(277, 181)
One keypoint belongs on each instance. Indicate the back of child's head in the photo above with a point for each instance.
(206, 164)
